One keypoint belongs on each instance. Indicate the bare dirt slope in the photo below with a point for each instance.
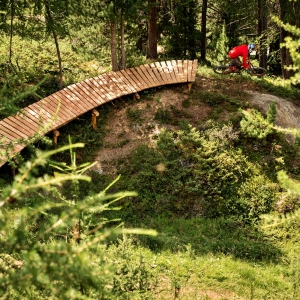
(123, 135)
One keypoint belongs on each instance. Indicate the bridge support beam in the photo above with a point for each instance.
(55, 136)
(136, 96)
(95, 114)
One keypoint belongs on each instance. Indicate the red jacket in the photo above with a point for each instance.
(241, 50)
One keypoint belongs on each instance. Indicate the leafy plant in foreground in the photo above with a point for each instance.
(40, 258)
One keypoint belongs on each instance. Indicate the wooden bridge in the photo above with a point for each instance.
(58, 109)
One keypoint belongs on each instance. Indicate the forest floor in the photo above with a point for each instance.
(125, 133)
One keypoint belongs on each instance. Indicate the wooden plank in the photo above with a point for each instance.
(130, 74)
(88, 90)
(17, 127)
(6, 133)
(185, 70)
(96, 90)
(28, 121)
(75, 101)
(7, 127)
(118, 83)
(164, 77)
(130, 88)
(166, 71)
(51, 108)
(154, 74)
(34, 114)
(100, 88)
(172, 71)
(142, 77)
(139, 79)
(22, 124)
(195, 68)
(10, 140)
(157, 74)
(37, 111)
(180, 70)
(149, 75)
(86, 103)
(110, 86)
(176, 71)
(189, 70)
(67, 100)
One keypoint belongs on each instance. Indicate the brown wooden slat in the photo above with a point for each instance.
(138, 79)
(13, 132)
(109, 85)
(189, 70)
(130, 88)
(28, 121)
(185, 63)
(142, 77)
(149, 75)
(75, 103)
(101, 93)
(87, 89)
(194, 72)
(116, 83)
(67, 100)
(180, 70)
(51, 109)
(64, 113)
(20, 125)
(172, 71)
(130, 73)
(176, 71)
(61, 114)
(154, 74)
(86, 103)
(6, 133)
(161, 72)
(167, 72)
(158, 75)
(100, 88)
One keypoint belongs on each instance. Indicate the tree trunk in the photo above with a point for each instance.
(152, 30)
(262, 27)
(123, 52)
(113, 45)
(285, 56)
(52, 29)
(203, 31)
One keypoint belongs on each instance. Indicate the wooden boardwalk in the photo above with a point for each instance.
(60, 108)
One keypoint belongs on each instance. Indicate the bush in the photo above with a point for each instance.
(193, 173)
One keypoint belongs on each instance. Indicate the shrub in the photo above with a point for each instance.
(202, 175)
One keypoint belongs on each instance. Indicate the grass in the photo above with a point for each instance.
(191, 259)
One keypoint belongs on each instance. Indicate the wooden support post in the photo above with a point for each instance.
(95, 114)
(190, 86)
(136, 96)
(55, 136)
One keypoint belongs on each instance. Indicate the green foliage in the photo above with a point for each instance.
(254, 124)
(197, 174)
(134, 116)
(54, 247)
(222, 46)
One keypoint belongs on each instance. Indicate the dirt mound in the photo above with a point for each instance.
(123, 137)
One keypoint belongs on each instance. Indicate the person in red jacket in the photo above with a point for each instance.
(241, 51)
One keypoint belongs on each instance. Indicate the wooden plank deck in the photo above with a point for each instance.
(73, 101)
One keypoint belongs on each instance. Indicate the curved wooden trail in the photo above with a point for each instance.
(60, 108)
